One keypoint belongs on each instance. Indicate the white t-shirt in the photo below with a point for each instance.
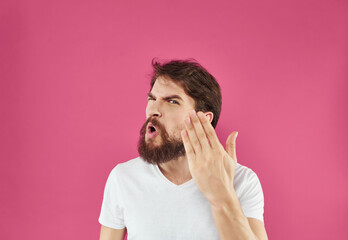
(138, 196)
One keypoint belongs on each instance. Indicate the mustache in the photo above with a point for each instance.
(154, 122)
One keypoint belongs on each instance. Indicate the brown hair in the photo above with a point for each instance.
(196, 81)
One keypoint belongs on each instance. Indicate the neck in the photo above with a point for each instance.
(176, 169)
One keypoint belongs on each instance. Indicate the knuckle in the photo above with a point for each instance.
(203, 148)
(189, 151)
(195, 142)
(210, 133)
(195, 120)
(201, 135)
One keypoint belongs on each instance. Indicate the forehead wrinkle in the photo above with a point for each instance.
(170, 88)
(167, 96)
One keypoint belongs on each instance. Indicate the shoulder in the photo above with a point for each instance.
(131, 167)
(243, 173)
(249, 192)
(245, 179)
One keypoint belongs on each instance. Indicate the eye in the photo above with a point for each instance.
(173, 101)
(150, 99)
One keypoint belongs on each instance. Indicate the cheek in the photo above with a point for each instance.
(177, 128)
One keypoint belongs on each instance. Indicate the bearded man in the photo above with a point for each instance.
(184, 184)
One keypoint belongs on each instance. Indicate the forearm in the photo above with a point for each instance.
(231, 221)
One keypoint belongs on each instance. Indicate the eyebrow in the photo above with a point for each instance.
(168, 97)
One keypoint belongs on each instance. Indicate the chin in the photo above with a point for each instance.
(152, 142)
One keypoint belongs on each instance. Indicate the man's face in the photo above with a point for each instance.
(168, 105)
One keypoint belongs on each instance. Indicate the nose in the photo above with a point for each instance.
(153, 110)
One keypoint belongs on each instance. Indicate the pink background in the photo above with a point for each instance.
(74, 78)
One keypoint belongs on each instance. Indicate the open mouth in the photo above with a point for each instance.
(151, 128)
(151, 131)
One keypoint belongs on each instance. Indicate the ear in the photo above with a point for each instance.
(209, 115)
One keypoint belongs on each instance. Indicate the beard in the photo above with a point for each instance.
(167, 150)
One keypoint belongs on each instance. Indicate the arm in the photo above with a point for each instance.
(213, 170)
(107, 233)
(232, 223)
(258, 228)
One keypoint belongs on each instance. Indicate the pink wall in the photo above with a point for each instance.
(74, 78)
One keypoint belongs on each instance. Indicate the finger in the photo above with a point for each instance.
(209, 131)
(190, 153)
(192, 136)
(200, 133)
(231, 145)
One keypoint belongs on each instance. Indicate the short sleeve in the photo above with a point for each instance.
(111, 214)
(252, 200)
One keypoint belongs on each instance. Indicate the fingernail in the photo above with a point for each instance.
(187, 120)
(192, 113)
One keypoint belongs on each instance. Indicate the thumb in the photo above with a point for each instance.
(231, 145)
